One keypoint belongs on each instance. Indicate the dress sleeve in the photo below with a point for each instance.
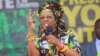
(70, 40)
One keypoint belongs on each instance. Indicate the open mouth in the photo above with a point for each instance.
(46, 25)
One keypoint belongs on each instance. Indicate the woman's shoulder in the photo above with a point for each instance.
(70, 34)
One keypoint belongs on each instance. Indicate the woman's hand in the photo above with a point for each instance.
(53, 40)
(31, 21)
(31, 24)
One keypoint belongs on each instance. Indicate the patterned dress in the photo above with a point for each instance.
(47, 49)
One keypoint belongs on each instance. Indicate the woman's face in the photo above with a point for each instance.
(47, 19)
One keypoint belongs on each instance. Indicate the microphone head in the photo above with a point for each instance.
(49, 30)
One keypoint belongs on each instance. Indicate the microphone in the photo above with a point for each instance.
(49, 30)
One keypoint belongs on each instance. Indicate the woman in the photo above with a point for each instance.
(54, 39)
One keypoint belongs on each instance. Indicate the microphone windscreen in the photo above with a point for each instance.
(49, 30)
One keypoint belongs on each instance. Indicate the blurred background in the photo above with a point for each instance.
(79, 16)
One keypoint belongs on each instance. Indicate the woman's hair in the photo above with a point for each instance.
(58, 13)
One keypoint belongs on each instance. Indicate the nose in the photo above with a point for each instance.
(45, 19)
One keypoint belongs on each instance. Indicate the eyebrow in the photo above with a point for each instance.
(48, 15)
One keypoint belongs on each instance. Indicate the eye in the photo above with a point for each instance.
(49, 17)
(42, 17)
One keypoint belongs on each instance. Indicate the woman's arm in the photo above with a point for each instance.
(32, 51)
(71, 53)
(67, 51)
